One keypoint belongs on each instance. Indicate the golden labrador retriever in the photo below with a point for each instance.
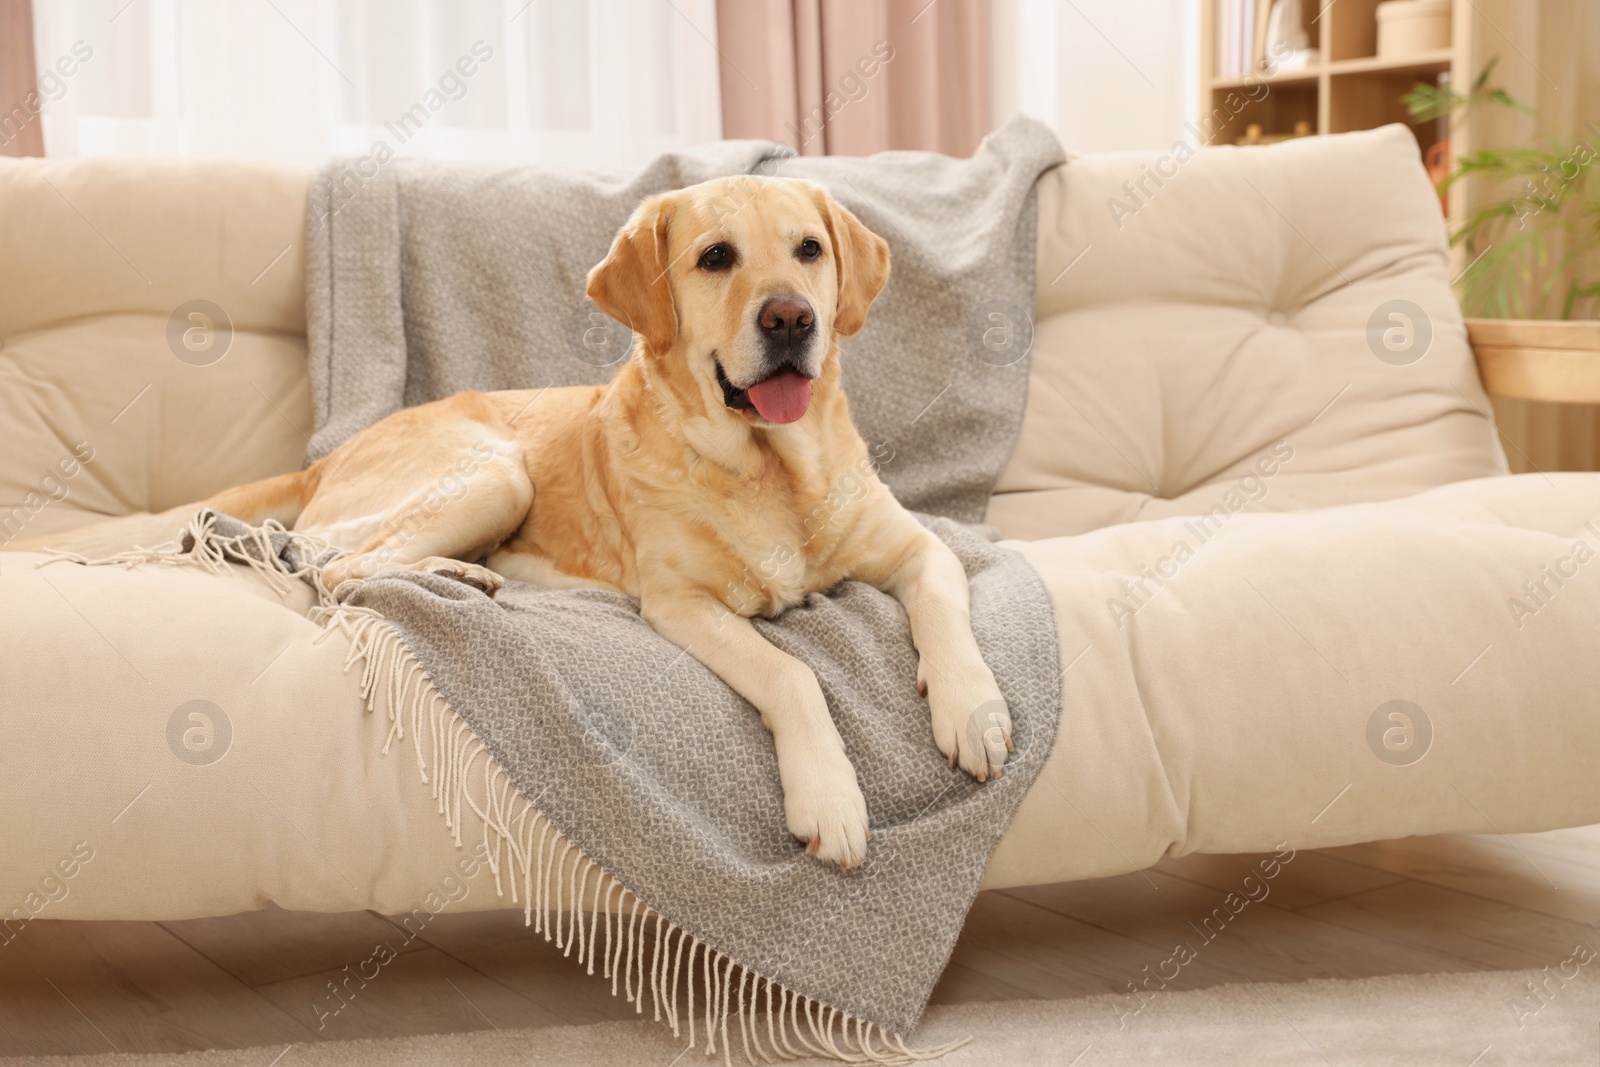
(703, 480)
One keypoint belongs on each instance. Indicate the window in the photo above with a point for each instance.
(605, 84)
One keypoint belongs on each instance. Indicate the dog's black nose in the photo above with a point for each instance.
(786, 318)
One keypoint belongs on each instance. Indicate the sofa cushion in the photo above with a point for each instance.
(100, 236)
(103, 263)
(1228, 709)
(1419, 666)
(153, 431)
(278, 792)
(1202, 339)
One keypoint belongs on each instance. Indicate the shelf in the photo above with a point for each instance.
(1303, 76)
(1352, 88)
(1369, 92)
(1426, 63)
(1276, 112)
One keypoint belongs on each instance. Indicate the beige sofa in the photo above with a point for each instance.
(1265, 508)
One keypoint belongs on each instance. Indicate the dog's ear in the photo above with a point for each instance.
(631, 283)
(862, 258)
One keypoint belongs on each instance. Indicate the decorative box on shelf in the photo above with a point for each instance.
(1410, 28)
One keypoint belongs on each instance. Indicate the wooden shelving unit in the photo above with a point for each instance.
(1543, 48)
(1349, 87)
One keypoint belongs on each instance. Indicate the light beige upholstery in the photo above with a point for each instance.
(1225, 316)
(1233, 710)
(1218, 696)
(95, 256)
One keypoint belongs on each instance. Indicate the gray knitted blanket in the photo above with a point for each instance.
(666, 778)
(661, 781)
(424, 279)
(429, 279)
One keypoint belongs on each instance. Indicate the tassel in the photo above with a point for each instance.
(771, 1029)
(783, 1023)
(722, 1010)
(541, 925)
(616, 962)
(799, 1034)
(553, 885)
(689, 988)
(712, 1000)
(678, 959)
(705, 976)
(827, 1034)
(594, 915)
(577, 903)
(655, 972)
(627, 977)
(608, 970)
(527, 873)
(744, 1020)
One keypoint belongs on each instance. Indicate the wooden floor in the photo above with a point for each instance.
(1421, 905)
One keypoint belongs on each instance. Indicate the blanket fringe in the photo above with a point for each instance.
(565, 894)
(212, 552)
(532, 868)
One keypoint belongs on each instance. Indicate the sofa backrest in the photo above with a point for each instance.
(1201, 337)
(1215, 331)
(101, 263)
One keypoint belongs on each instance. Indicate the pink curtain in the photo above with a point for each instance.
(853, 77)
(21, 133)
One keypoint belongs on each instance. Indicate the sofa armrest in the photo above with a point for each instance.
(1538, 359)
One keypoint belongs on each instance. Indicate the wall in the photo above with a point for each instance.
(1106, 75)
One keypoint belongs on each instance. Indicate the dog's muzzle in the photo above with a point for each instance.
(782, 393)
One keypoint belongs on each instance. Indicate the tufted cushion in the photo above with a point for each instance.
(1210, 347)
(98, 414)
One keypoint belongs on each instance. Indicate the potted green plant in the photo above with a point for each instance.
(1533, 233)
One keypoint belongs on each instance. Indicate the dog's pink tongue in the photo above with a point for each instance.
(783, 397)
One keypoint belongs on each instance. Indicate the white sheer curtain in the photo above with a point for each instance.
(604, 84)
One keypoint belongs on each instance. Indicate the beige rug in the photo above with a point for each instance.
(1411, 1020)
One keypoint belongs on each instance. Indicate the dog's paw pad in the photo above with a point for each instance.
(832, 823)
(978, 740)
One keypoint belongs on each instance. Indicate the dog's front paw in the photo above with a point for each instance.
(824, 807)
(971, 724)
(467, 573)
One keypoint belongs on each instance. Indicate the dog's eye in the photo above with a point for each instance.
(810, 249)
(717, 257)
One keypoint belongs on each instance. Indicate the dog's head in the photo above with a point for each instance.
(739, 290)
